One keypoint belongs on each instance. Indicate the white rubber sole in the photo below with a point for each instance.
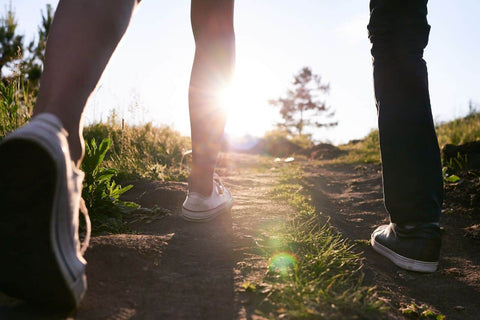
(206, 216)
(404, 262)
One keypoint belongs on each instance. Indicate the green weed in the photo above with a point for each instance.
(101, 193)
(455, 168)
(414, 311)
(457, 164)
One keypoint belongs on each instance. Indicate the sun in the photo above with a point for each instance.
(246, 103)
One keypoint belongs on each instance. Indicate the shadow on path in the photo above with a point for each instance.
(172, 270)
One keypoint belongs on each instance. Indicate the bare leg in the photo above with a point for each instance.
(83, 36)
(212, 24)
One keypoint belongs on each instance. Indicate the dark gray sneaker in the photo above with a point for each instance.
(40, 196)
(413, 248)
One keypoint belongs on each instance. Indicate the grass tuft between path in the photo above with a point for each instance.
(313, 272)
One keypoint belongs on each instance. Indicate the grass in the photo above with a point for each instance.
(458, 131)
(366, 150)
(101, 193)
(313, 272)
(16, 105)
(133, 152)
(149, 152)
(420, 312)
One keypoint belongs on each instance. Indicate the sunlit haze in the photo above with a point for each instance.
(147, 79)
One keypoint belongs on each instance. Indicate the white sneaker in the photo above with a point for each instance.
(40, 197)
(198, 208)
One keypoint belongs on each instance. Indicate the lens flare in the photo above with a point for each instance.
(282, 263)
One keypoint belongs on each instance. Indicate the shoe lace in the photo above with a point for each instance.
(88, 226)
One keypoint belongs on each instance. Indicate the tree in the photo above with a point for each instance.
(11, 43)
(302, 106)
(33, 65)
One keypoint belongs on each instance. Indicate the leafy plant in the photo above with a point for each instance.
(451, 178)
(100, 191)
(455, 168)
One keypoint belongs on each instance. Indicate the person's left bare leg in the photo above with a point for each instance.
(212, 24)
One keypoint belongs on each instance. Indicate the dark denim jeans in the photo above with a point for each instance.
(412, 177)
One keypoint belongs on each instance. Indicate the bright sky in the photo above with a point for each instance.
(275, 38)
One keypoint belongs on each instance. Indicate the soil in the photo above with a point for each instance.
(168, 268)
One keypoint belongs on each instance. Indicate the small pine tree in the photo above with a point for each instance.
(33, 65)
(302, 107)
(11, 43)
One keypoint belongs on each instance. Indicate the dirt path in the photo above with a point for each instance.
(171, 269)
(352, 196)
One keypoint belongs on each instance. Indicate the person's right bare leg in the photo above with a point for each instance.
(82, 39)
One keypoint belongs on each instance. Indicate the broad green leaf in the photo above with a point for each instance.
(453, 178)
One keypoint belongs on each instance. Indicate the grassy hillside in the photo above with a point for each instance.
(458, 131)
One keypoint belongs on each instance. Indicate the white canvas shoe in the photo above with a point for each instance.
(198, 208)
(40, 198)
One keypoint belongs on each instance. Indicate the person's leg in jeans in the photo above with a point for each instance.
(412, 179)
(212, 24)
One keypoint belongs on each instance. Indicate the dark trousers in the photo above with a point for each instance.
(412, 177)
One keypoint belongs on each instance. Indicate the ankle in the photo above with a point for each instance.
(76, 145)
(200, 184)
(409, 226)
(72, 123)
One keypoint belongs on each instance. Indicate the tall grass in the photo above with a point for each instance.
(136, 152)
(143, 151)
(460, 130)
(16, 105)
(365, 150)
